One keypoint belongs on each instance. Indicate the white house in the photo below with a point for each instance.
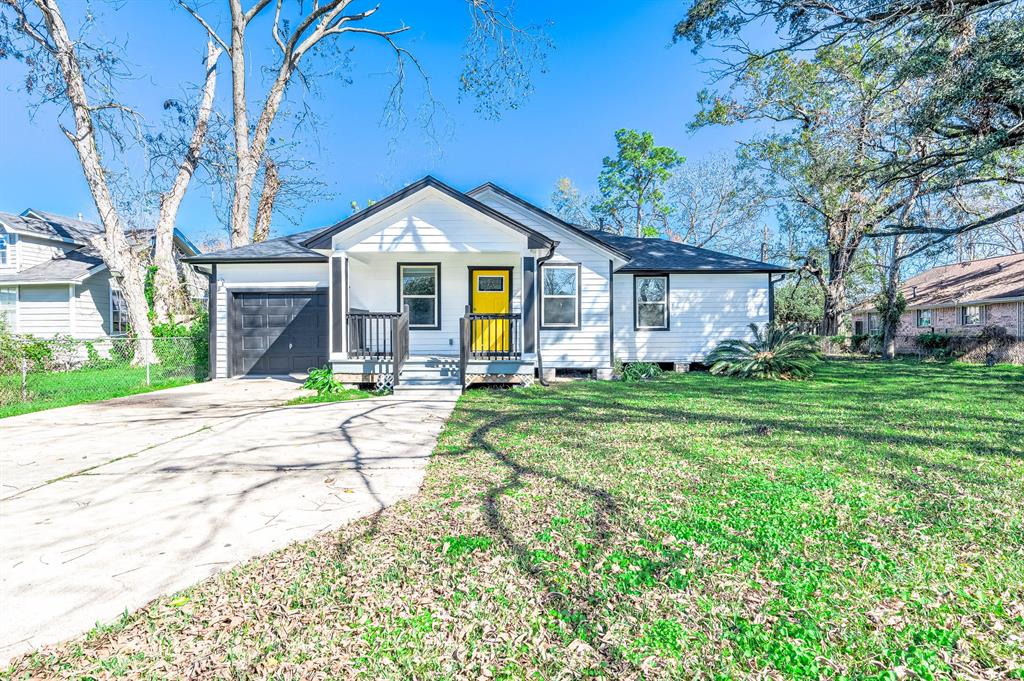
(432, 285)
(53, 282)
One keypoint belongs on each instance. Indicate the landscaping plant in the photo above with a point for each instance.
(323, 382)
(777, 352)
(640, 371)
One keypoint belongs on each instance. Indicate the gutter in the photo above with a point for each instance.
(540, 359)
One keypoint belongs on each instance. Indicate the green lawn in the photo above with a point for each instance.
(65, 388)
(868, 524)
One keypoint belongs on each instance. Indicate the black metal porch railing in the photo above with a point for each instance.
(494, 336)
(380, 335)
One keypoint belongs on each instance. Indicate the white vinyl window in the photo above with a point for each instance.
(9, 308)
(971, 315)
(118, 314)
(419, 288)
(650, 295)
(5, 248)
(924, 317)
(560, 296)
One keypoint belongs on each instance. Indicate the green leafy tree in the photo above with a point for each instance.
(632, 184)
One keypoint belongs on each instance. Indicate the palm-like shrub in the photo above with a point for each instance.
(777, 351)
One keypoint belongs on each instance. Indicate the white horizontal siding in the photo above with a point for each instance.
(373, 286)
(434, 223)
(704, 310)
(44, 310)
(92, 307)
(589, 346)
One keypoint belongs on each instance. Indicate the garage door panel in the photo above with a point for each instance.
(279, 332)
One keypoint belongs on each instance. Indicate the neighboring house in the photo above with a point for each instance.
(53, 282)
(493, 287)
(960, 299)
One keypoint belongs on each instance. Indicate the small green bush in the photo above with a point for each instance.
(639, 371)
(323, 382)
(777, 351)
(933, 341)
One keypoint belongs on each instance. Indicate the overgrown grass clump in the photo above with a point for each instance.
(868, 524)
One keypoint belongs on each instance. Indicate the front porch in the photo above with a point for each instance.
(433, 319)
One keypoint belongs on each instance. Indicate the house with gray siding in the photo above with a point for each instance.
(53, 282)
(433, 286)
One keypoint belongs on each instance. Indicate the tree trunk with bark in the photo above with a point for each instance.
(169, 294)
(114, 247)
(890, 293)
(265, 209)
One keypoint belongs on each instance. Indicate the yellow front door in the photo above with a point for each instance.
(490, 293)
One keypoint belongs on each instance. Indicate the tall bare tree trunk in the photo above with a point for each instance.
(114, 247)
(265, 209)
(891, 291)
(169, 295)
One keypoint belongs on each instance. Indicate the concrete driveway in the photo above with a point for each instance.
(105, 506)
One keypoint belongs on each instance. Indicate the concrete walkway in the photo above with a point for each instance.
(103, 507)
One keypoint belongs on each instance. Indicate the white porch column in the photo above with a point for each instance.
(339, 304)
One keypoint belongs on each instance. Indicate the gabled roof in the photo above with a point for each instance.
(282, 249)
(62, 228)
(662, 255)
(985, 280)
(535, 238)
(70, 268)
(575, 229)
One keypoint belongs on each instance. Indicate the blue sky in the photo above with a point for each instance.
(612, 66)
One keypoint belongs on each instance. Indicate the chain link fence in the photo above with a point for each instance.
(44, 373)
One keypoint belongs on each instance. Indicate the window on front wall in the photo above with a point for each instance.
(118, 314)
(418, 288)
(9, 307)
(560, 296)
(5, 247)
(924, 317)
(872, 323)
(651, 301)
(971, 315)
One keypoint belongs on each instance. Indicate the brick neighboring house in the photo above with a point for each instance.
(959, 299)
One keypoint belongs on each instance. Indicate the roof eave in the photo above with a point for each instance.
(567, 225)
(214, 260)
(322, 239)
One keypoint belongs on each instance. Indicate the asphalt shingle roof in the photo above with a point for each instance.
(72, 266)
(671, 256)
(282, 248)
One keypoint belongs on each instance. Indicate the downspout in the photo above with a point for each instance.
(540, 295)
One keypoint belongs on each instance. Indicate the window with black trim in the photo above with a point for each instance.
(924, 318)
(560, 296)
(650, 295)
(118, 314)
(419, 287)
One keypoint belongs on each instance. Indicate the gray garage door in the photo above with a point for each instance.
(278, 333)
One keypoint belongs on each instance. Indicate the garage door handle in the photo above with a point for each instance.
(289, 346)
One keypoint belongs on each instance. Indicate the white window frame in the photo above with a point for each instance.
(12, 321)
(8, 252)
(663, 303)
(436, 266)
(931, 318)
(123, 317)
(575, 267)
(963, 315)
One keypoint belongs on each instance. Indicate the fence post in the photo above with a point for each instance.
(24, 378)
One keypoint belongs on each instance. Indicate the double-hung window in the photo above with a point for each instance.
(9, 308)
(971, 315)
(5, 249)
(118, 314)
(650, 293)
(560, 296)
(924, 318)
(419, 286)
